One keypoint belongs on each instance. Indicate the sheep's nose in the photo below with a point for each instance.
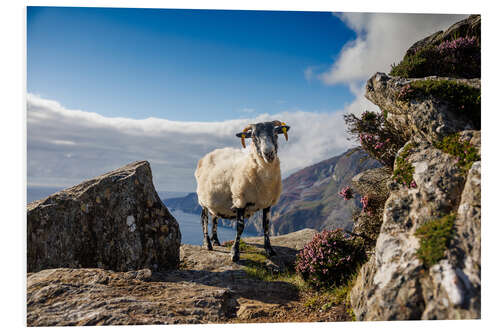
(269, 156)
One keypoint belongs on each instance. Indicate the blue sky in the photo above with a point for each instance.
(106, 87)
(187, 65)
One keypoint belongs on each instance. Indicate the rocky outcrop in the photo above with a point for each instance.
(427, 258)
(429, 118)
(188, 204)
(471, 26)
(208, 288)
(399, 286)
(115, 221)
(455, 52)
(373, 183)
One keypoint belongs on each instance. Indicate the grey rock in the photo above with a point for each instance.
(114, 221)
(456, 281)
(373, 183)
(427, 119)
(394, 284)
(83, 297)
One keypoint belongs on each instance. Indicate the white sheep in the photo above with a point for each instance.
(233, 183)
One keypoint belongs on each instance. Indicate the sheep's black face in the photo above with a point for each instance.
(265, 140)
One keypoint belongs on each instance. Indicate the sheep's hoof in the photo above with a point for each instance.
(215, 241)
(207, 246)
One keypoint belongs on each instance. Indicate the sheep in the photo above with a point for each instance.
(233, 183)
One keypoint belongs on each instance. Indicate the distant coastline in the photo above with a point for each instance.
(39, 192)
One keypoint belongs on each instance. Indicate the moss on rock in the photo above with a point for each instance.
(435, 237)
(403, 170)
(465, 99)
(465, 152)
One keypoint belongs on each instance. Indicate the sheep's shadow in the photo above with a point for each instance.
(284, 258)
(238, 281)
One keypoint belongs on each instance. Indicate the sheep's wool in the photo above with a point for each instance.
(231, 178)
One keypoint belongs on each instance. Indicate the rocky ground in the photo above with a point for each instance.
(208, 288)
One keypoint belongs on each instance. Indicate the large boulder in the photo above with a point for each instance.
(395, 284)
(115, 221)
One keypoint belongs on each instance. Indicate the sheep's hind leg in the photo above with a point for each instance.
(215, 239)
(266, 217)
(240, 225)
(204, 222)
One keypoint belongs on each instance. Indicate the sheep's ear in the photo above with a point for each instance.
(279, 129)
(243, 136)
(283, 130)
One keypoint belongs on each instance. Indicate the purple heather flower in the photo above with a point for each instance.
(346, 193)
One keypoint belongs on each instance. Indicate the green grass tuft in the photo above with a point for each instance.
(435, 236)
(254, 263)
(414, 65)
(465, 152)
(403, 170)
(325, 298)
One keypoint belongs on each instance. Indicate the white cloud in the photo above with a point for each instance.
(63, 142)
(309, 73)
(66, 146)
(382, 39)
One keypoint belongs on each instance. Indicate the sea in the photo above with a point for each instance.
(191, 232)
(190, 225)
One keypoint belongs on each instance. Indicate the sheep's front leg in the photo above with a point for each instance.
(204, 222)
(240, 225)
(215, 239)
(266, 217)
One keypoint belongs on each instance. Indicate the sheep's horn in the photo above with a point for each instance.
(280, 123)
(246, 129)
